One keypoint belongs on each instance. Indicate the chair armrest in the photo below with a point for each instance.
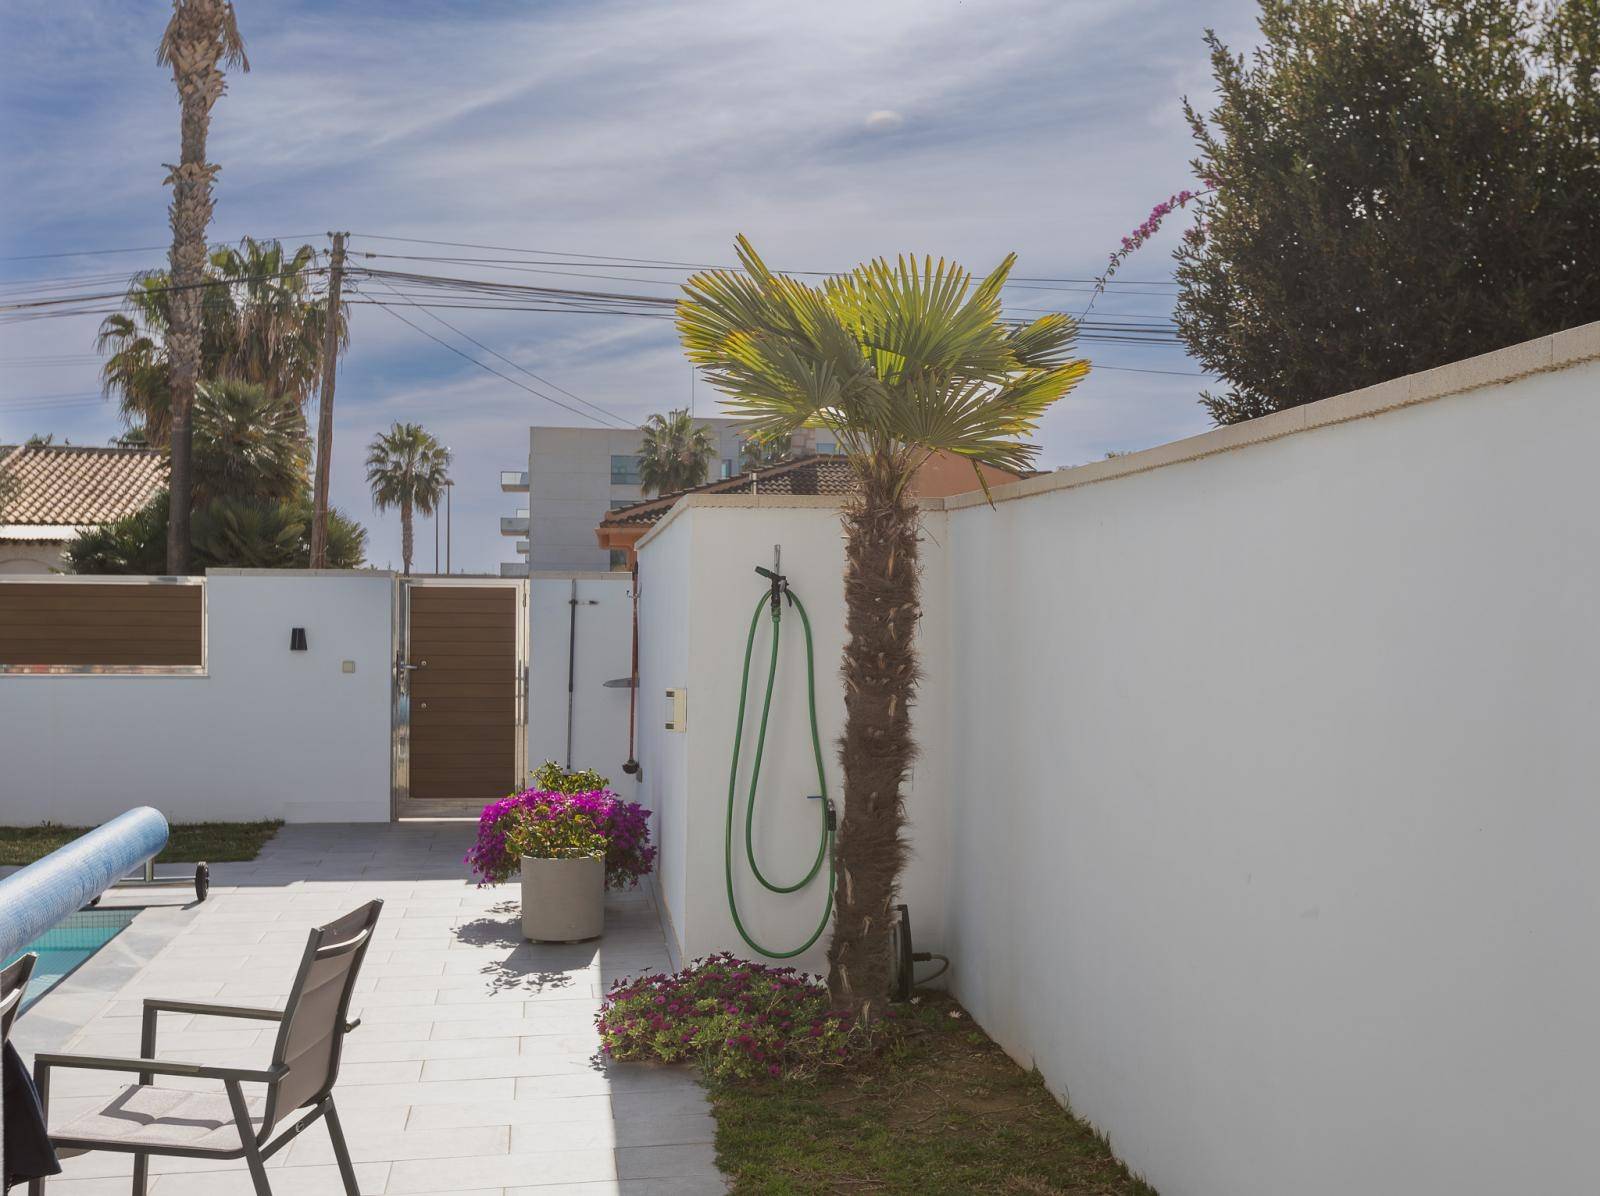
(161, 1067)
(205, 1010)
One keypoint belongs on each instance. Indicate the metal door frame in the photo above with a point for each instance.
(400, 696)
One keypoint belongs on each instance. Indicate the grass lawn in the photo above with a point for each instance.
(189, 842)
(944, 1110)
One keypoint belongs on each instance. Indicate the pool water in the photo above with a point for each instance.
(63, 947)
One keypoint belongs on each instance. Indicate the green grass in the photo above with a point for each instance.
(189, 842)
(941, 1110)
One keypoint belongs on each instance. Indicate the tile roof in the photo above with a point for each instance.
(811, 474)
(74, 486)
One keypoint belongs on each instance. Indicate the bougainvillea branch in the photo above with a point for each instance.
(1152, 225)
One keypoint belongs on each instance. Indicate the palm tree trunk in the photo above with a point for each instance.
(880, 677)
(194, 43)
(405, 534)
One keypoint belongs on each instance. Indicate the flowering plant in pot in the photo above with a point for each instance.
(623, 827)
(562, 860)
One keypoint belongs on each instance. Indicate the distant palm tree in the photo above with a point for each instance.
(260, 320)
(201, 35)
(248, 444)
(901, 360)
(756, 453)
(407, 468)
(674, 454)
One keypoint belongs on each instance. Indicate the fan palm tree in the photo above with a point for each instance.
(248, 444)
(901, 360)
(201, 35)
(675, 453)
(407, 468)
(260, 322)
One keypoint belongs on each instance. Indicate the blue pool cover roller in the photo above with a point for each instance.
(37, 897)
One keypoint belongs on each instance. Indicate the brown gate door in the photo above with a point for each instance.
(464, 674)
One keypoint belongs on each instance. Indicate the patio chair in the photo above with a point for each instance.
(147, 1119)
(13, 983)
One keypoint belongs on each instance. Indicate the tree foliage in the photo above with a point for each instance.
(675, 453)
(261, 322)
(1398, 184)
(229, 532)
(901, 359)
(407, 469)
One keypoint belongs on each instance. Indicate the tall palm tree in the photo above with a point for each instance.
(675, 453)
(260, 322)
(407, 468)
(201, 35)
(901, 360)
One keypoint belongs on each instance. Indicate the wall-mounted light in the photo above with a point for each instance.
(297, 639)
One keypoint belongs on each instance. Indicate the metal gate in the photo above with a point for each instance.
(460, 712)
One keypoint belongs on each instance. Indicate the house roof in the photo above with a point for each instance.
(69, 486)
(810, 474)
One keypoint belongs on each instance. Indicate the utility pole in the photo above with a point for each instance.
(449, 489)
(330, 368)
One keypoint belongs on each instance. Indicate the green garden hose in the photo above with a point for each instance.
(780, 586)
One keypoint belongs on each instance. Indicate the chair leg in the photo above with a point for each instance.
(141, 1174)
(341, 1151)
(247, 1136)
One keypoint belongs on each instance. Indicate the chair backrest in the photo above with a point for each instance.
(13, 984)
(311, 1036)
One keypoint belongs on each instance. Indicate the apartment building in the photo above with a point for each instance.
(575, 475)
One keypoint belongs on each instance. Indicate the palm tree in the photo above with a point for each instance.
(260, 322)
(201, 35)
(756, 454)
(674, 454)
(248, 444)
(901, 360)
(407, 468)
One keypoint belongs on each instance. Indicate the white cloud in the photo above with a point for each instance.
(884, 120)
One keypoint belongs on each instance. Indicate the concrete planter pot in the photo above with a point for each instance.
(563, 900)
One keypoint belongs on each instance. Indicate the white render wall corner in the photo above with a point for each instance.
(600, 651)
(266, 733)
(1257, 802)
(698, 591)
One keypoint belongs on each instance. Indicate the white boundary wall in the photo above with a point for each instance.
(266, 733)
(604, 652)
(1261, 812)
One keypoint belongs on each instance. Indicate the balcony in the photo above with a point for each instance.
(513, 569)
(514, 525)
(521, 547)
(514, 481)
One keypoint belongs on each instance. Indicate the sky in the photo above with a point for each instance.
(829, 132)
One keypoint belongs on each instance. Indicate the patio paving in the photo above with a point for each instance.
(476, 1069)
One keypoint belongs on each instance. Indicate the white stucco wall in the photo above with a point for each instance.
(267, 733)
(604, 652)
(1257, 802)
(698, 592)
(1282, 860)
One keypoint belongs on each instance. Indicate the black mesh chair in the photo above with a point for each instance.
(147, 1119)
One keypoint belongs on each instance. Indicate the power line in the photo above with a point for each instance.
(664, 263)
(35, 257)
(480, 364)
(514, 365)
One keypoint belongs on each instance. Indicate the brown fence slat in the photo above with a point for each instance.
(74, 625)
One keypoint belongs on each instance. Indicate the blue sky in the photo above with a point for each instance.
(648, 130)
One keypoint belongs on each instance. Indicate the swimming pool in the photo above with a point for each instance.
(63, 947)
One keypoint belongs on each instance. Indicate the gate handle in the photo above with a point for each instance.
(409, 666)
